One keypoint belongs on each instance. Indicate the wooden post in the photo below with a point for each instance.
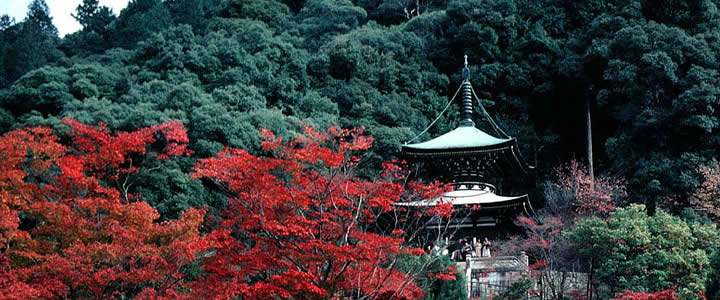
(588, 135)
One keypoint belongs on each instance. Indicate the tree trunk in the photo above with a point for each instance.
(588, 135)
(589, 293)
(563, 279)
(551, 283)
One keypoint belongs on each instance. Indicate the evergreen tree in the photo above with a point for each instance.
(93, 17)
(30, 44)
(644, 253)
(39, 15)
(6, 22)
(139, 20)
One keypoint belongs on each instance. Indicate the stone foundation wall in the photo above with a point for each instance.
(489, 276)
(552, 284)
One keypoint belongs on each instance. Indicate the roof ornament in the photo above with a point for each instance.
(467, 100)
(466, 70)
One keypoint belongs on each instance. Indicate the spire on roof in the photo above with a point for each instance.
(467, 100)
(466, 70)
(467, 152)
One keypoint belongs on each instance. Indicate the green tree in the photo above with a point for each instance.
(393, 11)
(196, 13)
(139, 20)
(664, 107)
(267, 11)
(645, 253)
(93, 17)
(30, 44)
(39, 16)
(6, 22)
(7, 28)
(320, 20)
(712, 289)
(96, 33)
(378, 80)
(45, 89)
(167, 186)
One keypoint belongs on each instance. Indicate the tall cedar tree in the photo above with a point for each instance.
(39, 15)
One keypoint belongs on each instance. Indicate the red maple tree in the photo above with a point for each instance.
(668, 294)
(575, 194)
(65, 231)
(297, 223)
(572, 195)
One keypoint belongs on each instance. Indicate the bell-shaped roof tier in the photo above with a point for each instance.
(463, 137)
(467, 153)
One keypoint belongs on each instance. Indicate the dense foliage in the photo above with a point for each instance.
(70, 229)
(571, 196)
(297, 224)
(644, 253)
(226, 67)
(437, 278)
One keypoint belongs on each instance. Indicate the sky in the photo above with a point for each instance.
(60, 11)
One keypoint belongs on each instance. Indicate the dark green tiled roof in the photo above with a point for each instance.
(460, 138)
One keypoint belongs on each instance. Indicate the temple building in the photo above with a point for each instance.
(482, 169)
(486, 173)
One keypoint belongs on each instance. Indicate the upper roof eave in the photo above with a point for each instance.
(463, 137)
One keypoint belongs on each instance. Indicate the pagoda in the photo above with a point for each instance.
(473, 162)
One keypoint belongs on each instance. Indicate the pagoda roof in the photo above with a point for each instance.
(463, 137)
(478, 194)
(466, 142)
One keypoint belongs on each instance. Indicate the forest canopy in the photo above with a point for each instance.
(226, 67)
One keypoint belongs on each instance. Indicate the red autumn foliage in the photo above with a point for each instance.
(540, 233)
(573, 195)
(587, 196)
(668, 294)
(447, 274)
(65, 233)
(297, 223)
(537, 265)
(295, 227)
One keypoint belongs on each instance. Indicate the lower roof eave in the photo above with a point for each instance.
(507, 202)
